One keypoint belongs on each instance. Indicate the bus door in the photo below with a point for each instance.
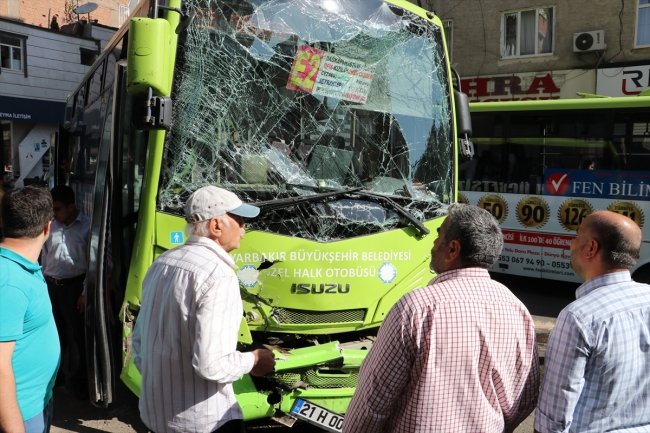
(118, 182)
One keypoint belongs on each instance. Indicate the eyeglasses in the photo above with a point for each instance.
(237, 218)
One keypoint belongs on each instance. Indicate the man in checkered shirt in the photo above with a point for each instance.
(598, 356)
(456, 356)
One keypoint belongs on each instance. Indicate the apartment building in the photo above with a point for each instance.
(39, 13)
(532, 49)
(39, 67)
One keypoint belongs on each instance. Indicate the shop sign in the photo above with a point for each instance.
(529, 86)
(628, 81)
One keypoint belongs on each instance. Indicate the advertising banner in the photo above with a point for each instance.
(538, 229)
(321, 73)
(632, 185)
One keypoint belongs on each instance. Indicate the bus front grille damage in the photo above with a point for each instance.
(324, 366)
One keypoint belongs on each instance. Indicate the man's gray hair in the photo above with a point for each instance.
(478, 233)
(200, 228)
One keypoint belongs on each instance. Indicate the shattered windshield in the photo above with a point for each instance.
(291, 98)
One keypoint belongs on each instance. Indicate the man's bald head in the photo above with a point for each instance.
(619, 238)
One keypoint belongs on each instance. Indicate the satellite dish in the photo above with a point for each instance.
(86, 8)
(584, 41)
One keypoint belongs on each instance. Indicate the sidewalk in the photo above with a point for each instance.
(544, 326)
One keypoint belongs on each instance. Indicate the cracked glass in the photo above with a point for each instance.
(333, 116)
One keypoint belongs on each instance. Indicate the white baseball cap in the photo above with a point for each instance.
(209, 202)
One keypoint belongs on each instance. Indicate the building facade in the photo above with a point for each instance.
(38, 69)
(532, 49)
(39, 13)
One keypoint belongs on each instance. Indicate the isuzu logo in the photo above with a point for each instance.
(319, 289)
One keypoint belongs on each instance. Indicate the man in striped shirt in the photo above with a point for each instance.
(456, 356)
(598, 356)
(185, 338)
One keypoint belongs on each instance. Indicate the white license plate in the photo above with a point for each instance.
(314, 414)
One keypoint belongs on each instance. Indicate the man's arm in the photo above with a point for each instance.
(384, 374)
(566, 358)
(136, 341)
(215, 354)
(81, 302)
(11, 420)
(528, 398)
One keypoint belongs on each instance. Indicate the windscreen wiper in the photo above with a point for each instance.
(333, 192)
(397, 207)
(283, 202)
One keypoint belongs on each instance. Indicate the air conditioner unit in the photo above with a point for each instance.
(589, 41)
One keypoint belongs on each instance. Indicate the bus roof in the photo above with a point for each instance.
(561, 104)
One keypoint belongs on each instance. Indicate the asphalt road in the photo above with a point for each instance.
(542, 297)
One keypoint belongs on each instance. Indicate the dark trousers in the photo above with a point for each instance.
(70, 325)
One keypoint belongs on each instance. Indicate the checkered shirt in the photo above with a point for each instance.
(457, 356)
(598, 360)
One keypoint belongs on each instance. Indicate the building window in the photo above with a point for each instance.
(88, 57)
(11, 53)
(448, 27)
(643, 23)
(124, 14)
(528, 32)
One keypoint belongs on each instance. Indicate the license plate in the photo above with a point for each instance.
(314, 414)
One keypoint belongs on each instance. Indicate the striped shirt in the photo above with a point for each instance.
(598, 360)
(185, 338)
(457, 356)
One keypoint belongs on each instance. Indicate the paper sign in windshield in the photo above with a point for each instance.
(326, 74)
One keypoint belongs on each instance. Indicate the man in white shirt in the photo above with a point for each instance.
(64, 262)
(185, 337)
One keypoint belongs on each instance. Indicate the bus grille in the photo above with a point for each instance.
(286, 316)
(345, 379)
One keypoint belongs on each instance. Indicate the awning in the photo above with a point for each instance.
(31, 110)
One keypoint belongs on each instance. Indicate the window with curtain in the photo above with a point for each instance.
(528, 32)
(11, 52)
(124, 14)
(643, 23)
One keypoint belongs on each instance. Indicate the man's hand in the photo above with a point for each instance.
(11, 420)
(81, 304)
(264, 362)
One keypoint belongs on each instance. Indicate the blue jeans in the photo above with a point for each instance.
(41, 423)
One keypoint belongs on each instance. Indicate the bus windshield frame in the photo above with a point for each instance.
(277, 95)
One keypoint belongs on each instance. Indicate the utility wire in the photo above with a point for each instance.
(620, 34)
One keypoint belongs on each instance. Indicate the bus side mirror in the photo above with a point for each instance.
(463, 123)
(148, 56)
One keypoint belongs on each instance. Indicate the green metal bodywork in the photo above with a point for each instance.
(406, 250)
(561, 104)
(271, 291)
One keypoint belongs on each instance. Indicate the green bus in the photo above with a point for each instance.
(542, 166)
(336, 118)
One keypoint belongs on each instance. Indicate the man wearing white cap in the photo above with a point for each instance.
(185, 338)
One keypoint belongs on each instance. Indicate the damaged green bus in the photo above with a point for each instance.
(335, 117)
